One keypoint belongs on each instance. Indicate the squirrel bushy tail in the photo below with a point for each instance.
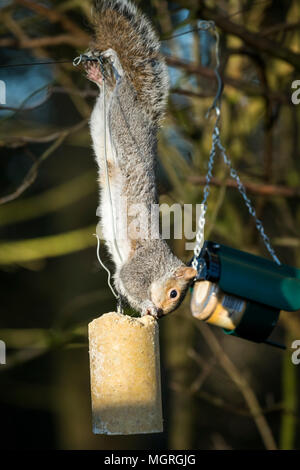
(120, 26)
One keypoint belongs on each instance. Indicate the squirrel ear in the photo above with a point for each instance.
(185, 272)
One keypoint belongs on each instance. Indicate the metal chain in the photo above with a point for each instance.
(234, 175)
(217, 145)
(201, 222)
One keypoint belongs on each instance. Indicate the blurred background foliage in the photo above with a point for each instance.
(219, 392)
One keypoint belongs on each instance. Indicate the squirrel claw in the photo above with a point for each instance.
(94, 74)
(114, 59)
(92, 69)
(148, 308)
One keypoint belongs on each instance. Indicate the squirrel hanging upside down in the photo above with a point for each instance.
(124, 126)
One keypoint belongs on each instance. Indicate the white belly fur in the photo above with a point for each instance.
(114, 225)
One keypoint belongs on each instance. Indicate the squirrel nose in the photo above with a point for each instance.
(160, 312)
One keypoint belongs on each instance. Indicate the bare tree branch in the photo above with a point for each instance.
(45, 41)
(19, 141)
(54, 16)
(255, 40)
(32, 173)
(241, 383)
(242, 85)
(281, 28)
(255, 188)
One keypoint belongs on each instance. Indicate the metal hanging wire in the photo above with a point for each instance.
(217, 146)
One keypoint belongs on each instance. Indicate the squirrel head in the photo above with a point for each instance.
(167, 293)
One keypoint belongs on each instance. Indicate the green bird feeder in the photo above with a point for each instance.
(243, 293)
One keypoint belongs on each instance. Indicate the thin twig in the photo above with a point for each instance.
(18, 141)
(192, 94)
(54, 16)
(52, 90)
(243, 85)
(44, 41)
(280, 28)
(219, 402)
(255, 40)
(32, 173)
(241, 383)
(255, 188)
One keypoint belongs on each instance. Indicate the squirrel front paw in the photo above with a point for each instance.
(148, 308)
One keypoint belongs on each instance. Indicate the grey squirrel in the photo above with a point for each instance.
(124, 125)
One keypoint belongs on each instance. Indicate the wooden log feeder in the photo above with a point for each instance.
(125, 375)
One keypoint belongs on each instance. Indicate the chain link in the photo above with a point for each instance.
(217, 145)
(234, 175)
(209, 175)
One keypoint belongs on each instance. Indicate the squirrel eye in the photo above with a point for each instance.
(173, 294)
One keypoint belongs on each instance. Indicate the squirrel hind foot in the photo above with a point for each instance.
(93, 73)
(113, 58)
(119, 25)
(111, 67)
